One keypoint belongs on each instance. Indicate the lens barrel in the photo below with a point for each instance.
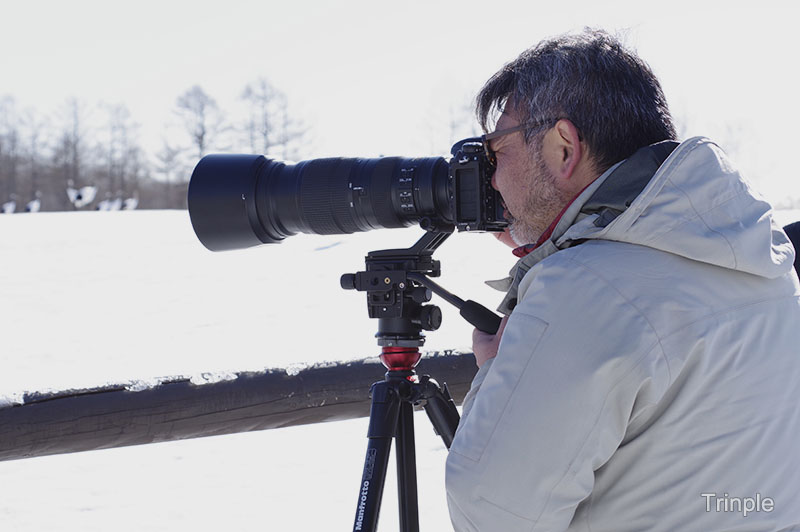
(238, 201)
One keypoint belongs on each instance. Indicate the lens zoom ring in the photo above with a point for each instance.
(381, 192)
(325, 197)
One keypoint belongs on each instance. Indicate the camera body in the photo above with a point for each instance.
(475, 204)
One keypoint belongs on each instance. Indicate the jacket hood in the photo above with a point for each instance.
(696, 205)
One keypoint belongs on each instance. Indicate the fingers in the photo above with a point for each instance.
(485, 345)
(502, 326)
(480, 337)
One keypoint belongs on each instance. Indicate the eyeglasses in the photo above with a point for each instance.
(491, 155)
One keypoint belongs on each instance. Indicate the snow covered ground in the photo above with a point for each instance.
(94, 297)
(88, 298)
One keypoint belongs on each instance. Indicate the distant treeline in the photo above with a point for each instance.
(47, 161)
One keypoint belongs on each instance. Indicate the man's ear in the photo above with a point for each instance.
(568, 150)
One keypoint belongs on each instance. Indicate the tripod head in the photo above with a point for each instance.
(398, 286)
(397, 301)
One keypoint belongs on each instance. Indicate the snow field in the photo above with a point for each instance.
(93, 297)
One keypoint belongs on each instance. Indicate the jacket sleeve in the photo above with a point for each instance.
(477, 380)
(551, 408)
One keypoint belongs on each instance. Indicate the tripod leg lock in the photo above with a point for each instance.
(439, 406)
(384, 411)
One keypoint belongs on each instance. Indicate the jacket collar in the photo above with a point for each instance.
(599, 204)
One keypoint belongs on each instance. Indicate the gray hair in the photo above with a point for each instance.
(607, 91)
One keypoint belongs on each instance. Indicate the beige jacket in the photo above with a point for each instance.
(649, 374)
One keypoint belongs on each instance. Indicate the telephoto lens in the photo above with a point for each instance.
(238, 201)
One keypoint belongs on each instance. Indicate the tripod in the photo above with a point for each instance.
(397, 286)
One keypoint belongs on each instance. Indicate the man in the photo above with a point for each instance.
(648, 373)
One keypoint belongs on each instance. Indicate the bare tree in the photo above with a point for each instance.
(174, 173)
(70, 157)
(10, 155)
(202, 118)
(269, 128)
(34, 142)
(169, 165)
(118, 150)
(137, 170)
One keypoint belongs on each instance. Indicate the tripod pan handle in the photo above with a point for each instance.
(481, 317)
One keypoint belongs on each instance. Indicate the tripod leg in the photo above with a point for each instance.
(407, 470)
(383, 420)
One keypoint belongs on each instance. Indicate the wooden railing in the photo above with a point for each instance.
(177, 408)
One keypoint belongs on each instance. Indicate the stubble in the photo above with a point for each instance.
(543, 201)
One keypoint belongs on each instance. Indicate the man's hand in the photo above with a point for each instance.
(484, 345)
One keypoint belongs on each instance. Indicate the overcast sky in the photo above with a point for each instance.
(372, 78)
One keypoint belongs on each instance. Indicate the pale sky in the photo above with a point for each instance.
(376, 78)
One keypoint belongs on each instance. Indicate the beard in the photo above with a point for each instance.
(542, 203)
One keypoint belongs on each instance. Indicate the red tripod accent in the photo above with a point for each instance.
(400, 358)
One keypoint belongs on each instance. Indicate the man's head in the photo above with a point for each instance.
(587, 103)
